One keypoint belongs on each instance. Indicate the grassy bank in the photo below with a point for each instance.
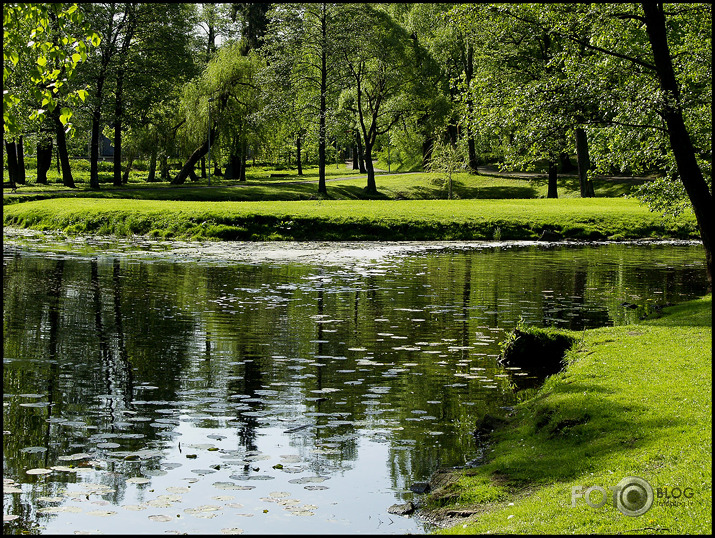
(593, 218)
(634, 401)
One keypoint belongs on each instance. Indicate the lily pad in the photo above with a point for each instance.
(232, 530)
(138, 480)
(101, 513)
(38, 471)
(161, 518)
(33, 449)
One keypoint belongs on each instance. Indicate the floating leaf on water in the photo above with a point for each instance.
(11, 489)
(38, 471)
(178, 489)
(138, 480)
(308, 480)
(202, 472)
(33, 449)
(74, 457)
(302, 513)
(101, 513)
(134, 507)
(58, 509)
(49, 499)
(229, 505)
(155, 472)
(35, 404)
(202, 509)
(161, 518)
(108, 445)
(232, 530)
(9, 517)
(315, 488)
(290, 458)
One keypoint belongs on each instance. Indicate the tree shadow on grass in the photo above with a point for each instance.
(566, 433)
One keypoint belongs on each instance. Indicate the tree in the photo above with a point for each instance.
(641, 76)
(42, 46)
(229, 79)
(392, 75)
(447, 159)
(680, 141)
(301, 51)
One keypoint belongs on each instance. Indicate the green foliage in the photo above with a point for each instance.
(42, 46)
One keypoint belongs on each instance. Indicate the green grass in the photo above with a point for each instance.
(266, 183)
(634, 401)
(577, 218)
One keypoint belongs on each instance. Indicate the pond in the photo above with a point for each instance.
(200, 392)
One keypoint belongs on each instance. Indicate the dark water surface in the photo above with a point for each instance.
(149, 396)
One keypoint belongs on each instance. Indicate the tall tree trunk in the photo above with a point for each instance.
(44, 159)
(553, 178)
(62, 155)
(323, 90)
(11, 162)
(118, 111)
(371, 187)
(297, 154)
(584, 163)
(468, 74)
(683, 151)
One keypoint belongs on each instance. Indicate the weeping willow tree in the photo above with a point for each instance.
(227, 85)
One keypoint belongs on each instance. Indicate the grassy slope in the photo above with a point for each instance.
(595, 218)
(634, 401)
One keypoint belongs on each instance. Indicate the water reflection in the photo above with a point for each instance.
(220, 391)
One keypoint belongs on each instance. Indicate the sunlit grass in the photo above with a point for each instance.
(634, 401)
(594, 218)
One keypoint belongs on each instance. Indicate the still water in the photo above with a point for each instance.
(152, 395)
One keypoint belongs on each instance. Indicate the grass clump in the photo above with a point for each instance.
(634, 401)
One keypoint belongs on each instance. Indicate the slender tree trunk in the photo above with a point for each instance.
(323, 90)
(688, 169)
(371, 187)
(297, 154)
(553, 178)
(67, 179)
(118, 111)
(584, 163)
(44, 159)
